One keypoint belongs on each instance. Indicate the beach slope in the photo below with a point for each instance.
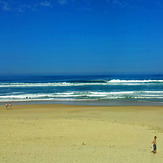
(65, 133)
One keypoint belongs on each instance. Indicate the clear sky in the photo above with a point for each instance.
(81, 36)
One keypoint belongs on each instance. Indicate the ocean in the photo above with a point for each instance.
(104, 90)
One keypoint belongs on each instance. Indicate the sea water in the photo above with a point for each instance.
(112, 89)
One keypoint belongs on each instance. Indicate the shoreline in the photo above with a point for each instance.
(117, 102)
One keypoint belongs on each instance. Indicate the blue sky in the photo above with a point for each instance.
(81, 36)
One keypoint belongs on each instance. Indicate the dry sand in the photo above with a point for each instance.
(82, 134)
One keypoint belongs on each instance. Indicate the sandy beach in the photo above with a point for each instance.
(82, 134)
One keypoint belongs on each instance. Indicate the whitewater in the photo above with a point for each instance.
(88, 89)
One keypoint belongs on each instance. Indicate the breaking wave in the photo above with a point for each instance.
(84, 83)
(76, 95)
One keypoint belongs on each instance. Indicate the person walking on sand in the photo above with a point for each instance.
(154, 145)
(6, 106)
(10, 106)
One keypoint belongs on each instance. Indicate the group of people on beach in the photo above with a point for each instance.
(8, 106)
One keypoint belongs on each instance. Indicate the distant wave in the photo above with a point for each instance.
(88, 81)
(83, 83)
(135, 81)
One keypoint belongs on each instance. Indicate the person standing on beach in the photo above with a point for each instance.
(6, 106)
(154, 145)
(10, 106)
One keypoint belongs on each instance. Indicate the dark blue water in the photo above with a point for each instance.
(113, 89)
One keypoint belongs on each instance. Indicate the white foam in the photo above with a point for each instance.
(63, 95)
(82, 95)
(108, 93)
(153, 91)
(66, 84)
(134, 81)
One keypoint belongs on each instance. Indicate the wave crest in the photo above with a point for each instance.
(84, 83)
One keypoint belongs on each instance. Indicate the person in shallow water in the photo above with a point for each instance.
(154, 145)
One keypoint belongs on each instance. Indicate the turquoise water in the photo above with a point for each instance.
(113, 89)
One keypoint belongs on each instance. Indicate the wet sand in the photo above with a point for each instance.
(68, 134)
